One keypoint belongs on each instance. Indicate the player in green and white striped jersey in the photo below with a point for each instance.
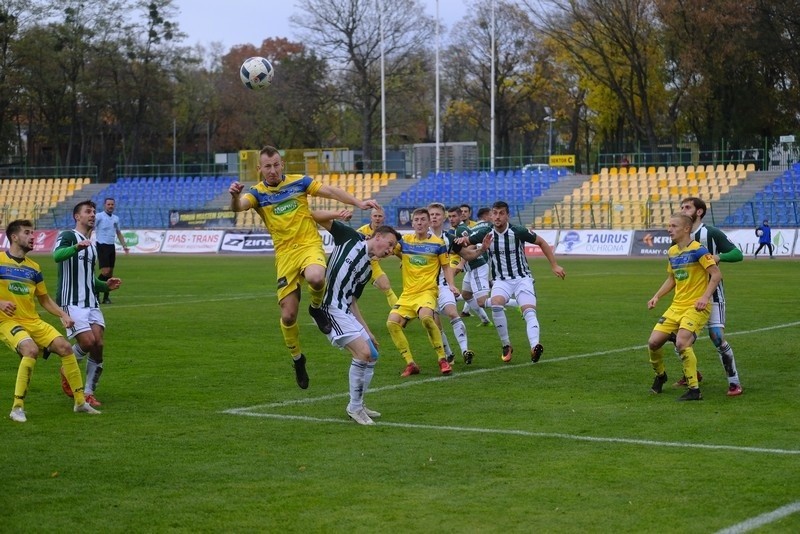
(348, 273)
(77, 292)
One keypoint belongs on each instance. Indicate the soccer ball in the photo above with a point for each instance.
(759, 232)
(256, 72)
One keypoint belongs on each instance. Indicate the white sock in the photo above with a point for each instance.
(79, 354)
(356, 378)
(446, 344)
(93, 372)
(473, 305)
(460, 332)
(728, 362)
(532, 326)
(499, 318)
(466, 307)
(369, 372)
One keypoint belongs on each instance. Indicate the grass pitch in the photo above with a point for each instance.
(204, 429)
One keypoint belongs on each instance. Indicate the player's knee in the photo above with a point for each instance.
(428, 322)
(393, 327)
(717, 335)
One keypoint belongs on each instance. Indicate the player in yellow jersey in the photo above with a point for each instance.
(379, 278)
(694, 275)
(282, 203)
(21, 327)
(423, 255)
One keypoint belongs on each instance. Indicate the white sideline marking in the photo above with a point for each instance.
(762, 520)
(525, 433)
(463, 374)
(249, 411)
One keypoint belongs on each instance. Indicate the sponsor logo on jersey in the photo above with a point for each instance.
(286, 207)
(16, 288)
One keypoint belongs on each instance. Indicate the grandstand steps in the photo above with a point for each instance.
(56, 215)
(756, 181)
(553, 195)
(385, 195)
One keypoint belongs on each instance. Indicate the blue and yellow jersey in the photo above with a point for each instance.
(688, 267)
(20, 282)
(366, 230)
(285, 211)
(421, 261)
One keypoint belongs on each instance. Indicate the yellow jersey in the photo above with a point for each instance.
(285, 210)
(366, 230)
(20, 282)
(422, 260)
(688, 267)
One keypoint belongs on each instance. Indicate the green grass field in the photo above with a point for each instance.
(204, 429)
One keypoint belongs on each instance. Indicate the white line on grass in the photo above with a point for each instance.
(526, 433)
(249, 411)
(412, 383)
(762, 520)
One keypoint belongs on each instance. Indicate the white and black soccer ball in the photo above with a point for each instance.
(256, 72)
(759, 232)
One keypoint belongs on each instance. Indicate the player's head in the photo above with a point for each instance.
(766, 222)
(270, 165)
(84, 212)
(485, 214)
(694, 207)
(383, 241)
(454, 216)
(376, 217)
(20, 233)
(500, 214)
(436, 211)
(109, 204)
(466, 212)
(420, 220)
(679, 227)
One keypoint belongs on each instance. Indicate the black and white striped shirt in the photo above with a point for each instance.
(76, 272)
(507, 251)
(349, 269)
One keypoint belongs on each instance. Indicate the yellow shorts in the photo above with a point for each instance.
(408, 306)
(291, 263)
(40, 331)
(686, 318)
(377, 270)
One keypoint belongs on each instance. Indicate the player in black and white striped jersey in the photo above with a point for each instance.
(78, 287)
(348, 273)
(512, 276)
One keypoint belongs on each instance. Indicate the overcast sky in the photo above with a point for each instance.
(251, 21)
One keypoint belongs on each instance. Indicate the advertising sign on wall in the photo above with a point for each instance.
(234, 242)
(594, 242)
(650, 243)
(746, 239)
(192, 241)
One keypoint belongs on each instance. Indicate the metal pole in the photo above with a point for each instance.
(491, 83)
(383, 93)
(436, 114)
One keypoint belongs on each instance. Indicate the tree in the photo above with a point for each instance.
(518, 81)
(617, 43)
(347, 33)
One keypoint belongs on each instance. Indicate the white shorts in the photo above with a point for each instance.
(717, 318)
(518, 288)
(476, 281)
(84, 319)
(446, 298)
(345, 327)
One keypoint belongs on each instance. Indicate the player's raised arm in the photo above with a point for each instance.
(238, 202)
(329, 191)
(325, 218)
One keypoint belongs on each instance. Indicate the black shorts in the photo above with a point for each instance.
(106, 255)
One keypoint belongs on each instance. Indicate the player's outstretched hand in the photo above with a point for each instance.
(236, 188)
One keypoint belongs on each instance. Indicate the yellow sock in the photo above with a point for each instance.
(657, 360)
(73, 374)
(316, 295)
(391, 298)
(434, 336)
(689, 361)
(24, 373)
(291, 336)
(400, 340)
